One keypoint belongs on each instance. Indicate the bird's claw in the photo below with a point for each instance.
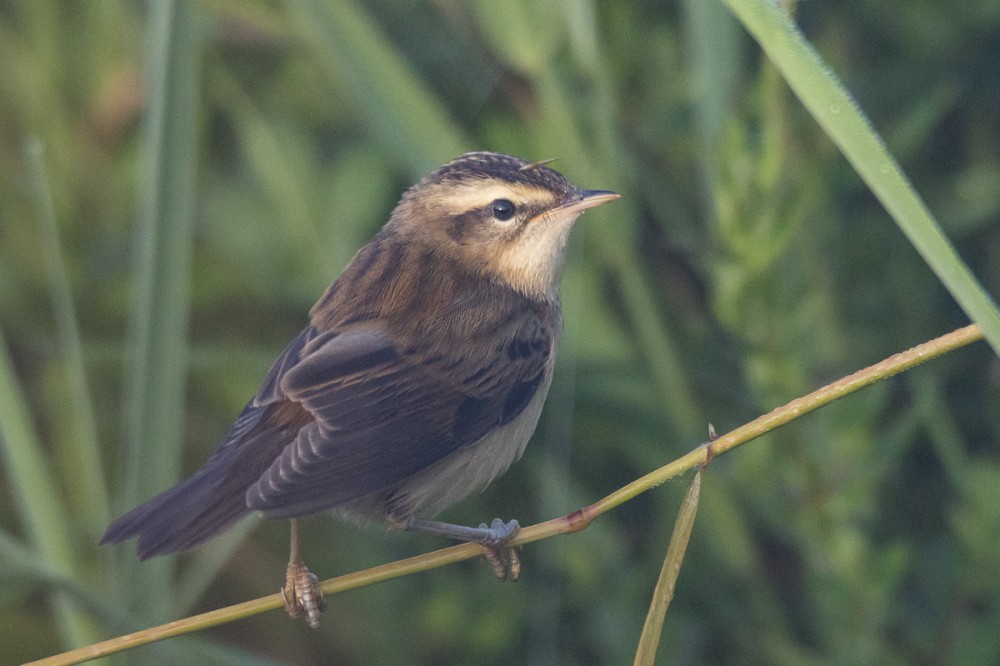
(302, 594)
(505, 562)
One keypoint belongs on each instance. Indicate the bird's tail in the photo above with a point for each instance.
(188, 514)
(214, 498)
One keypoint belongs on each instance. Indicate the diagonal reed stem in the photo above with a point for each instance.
(572, 522)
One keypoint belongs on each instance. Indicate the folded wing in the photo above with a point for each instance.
(382, 414)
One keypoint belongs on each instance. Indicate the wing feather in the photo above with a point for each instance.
(384, 413)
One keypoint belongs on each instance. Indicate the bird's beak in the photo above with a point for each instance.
(587, 199)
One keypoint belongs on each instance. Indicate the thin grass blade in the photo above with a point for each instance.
(663, 594)
(81, 470)
(42, 512)
(159, 348)
(404, 115)
(846, 124)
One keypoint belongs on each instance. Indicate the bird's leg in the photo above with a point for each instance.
(493, 539)
(301, 592)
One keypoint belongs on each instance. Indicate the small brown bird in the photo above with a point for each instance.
(419, 380)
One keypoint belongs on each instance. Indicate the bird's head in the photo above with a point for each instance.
(499, 216)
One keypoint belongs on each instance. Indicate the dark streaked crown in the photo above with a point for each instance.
(497, 166)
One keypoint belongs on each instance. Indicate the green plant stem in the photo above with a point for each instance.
(788, 412)
(410, 121)
(847, 126)
(572, 522)
(40, 508)
(663, 594)
(154, 400)
(79, 452)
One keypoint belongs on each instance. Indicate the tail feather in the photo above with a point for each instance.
(214, 498)
(188, 514)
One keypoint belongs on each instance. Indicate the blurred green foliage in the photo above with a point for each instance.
(745, 265)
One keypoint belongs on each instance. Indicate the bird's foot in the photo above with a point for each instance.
(498, 533)
(493, 538)
(302, 594)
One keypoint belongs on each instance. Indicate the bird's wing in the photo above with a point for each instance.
(383, 413)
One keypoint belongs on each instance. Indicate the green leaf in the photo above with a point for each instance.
(848, 127)
(154, 400)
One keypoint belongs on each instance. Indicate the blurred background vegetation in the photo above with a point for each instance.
(178, 184)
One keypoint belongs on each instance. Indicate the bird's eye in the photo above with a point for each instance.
(502, 209)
